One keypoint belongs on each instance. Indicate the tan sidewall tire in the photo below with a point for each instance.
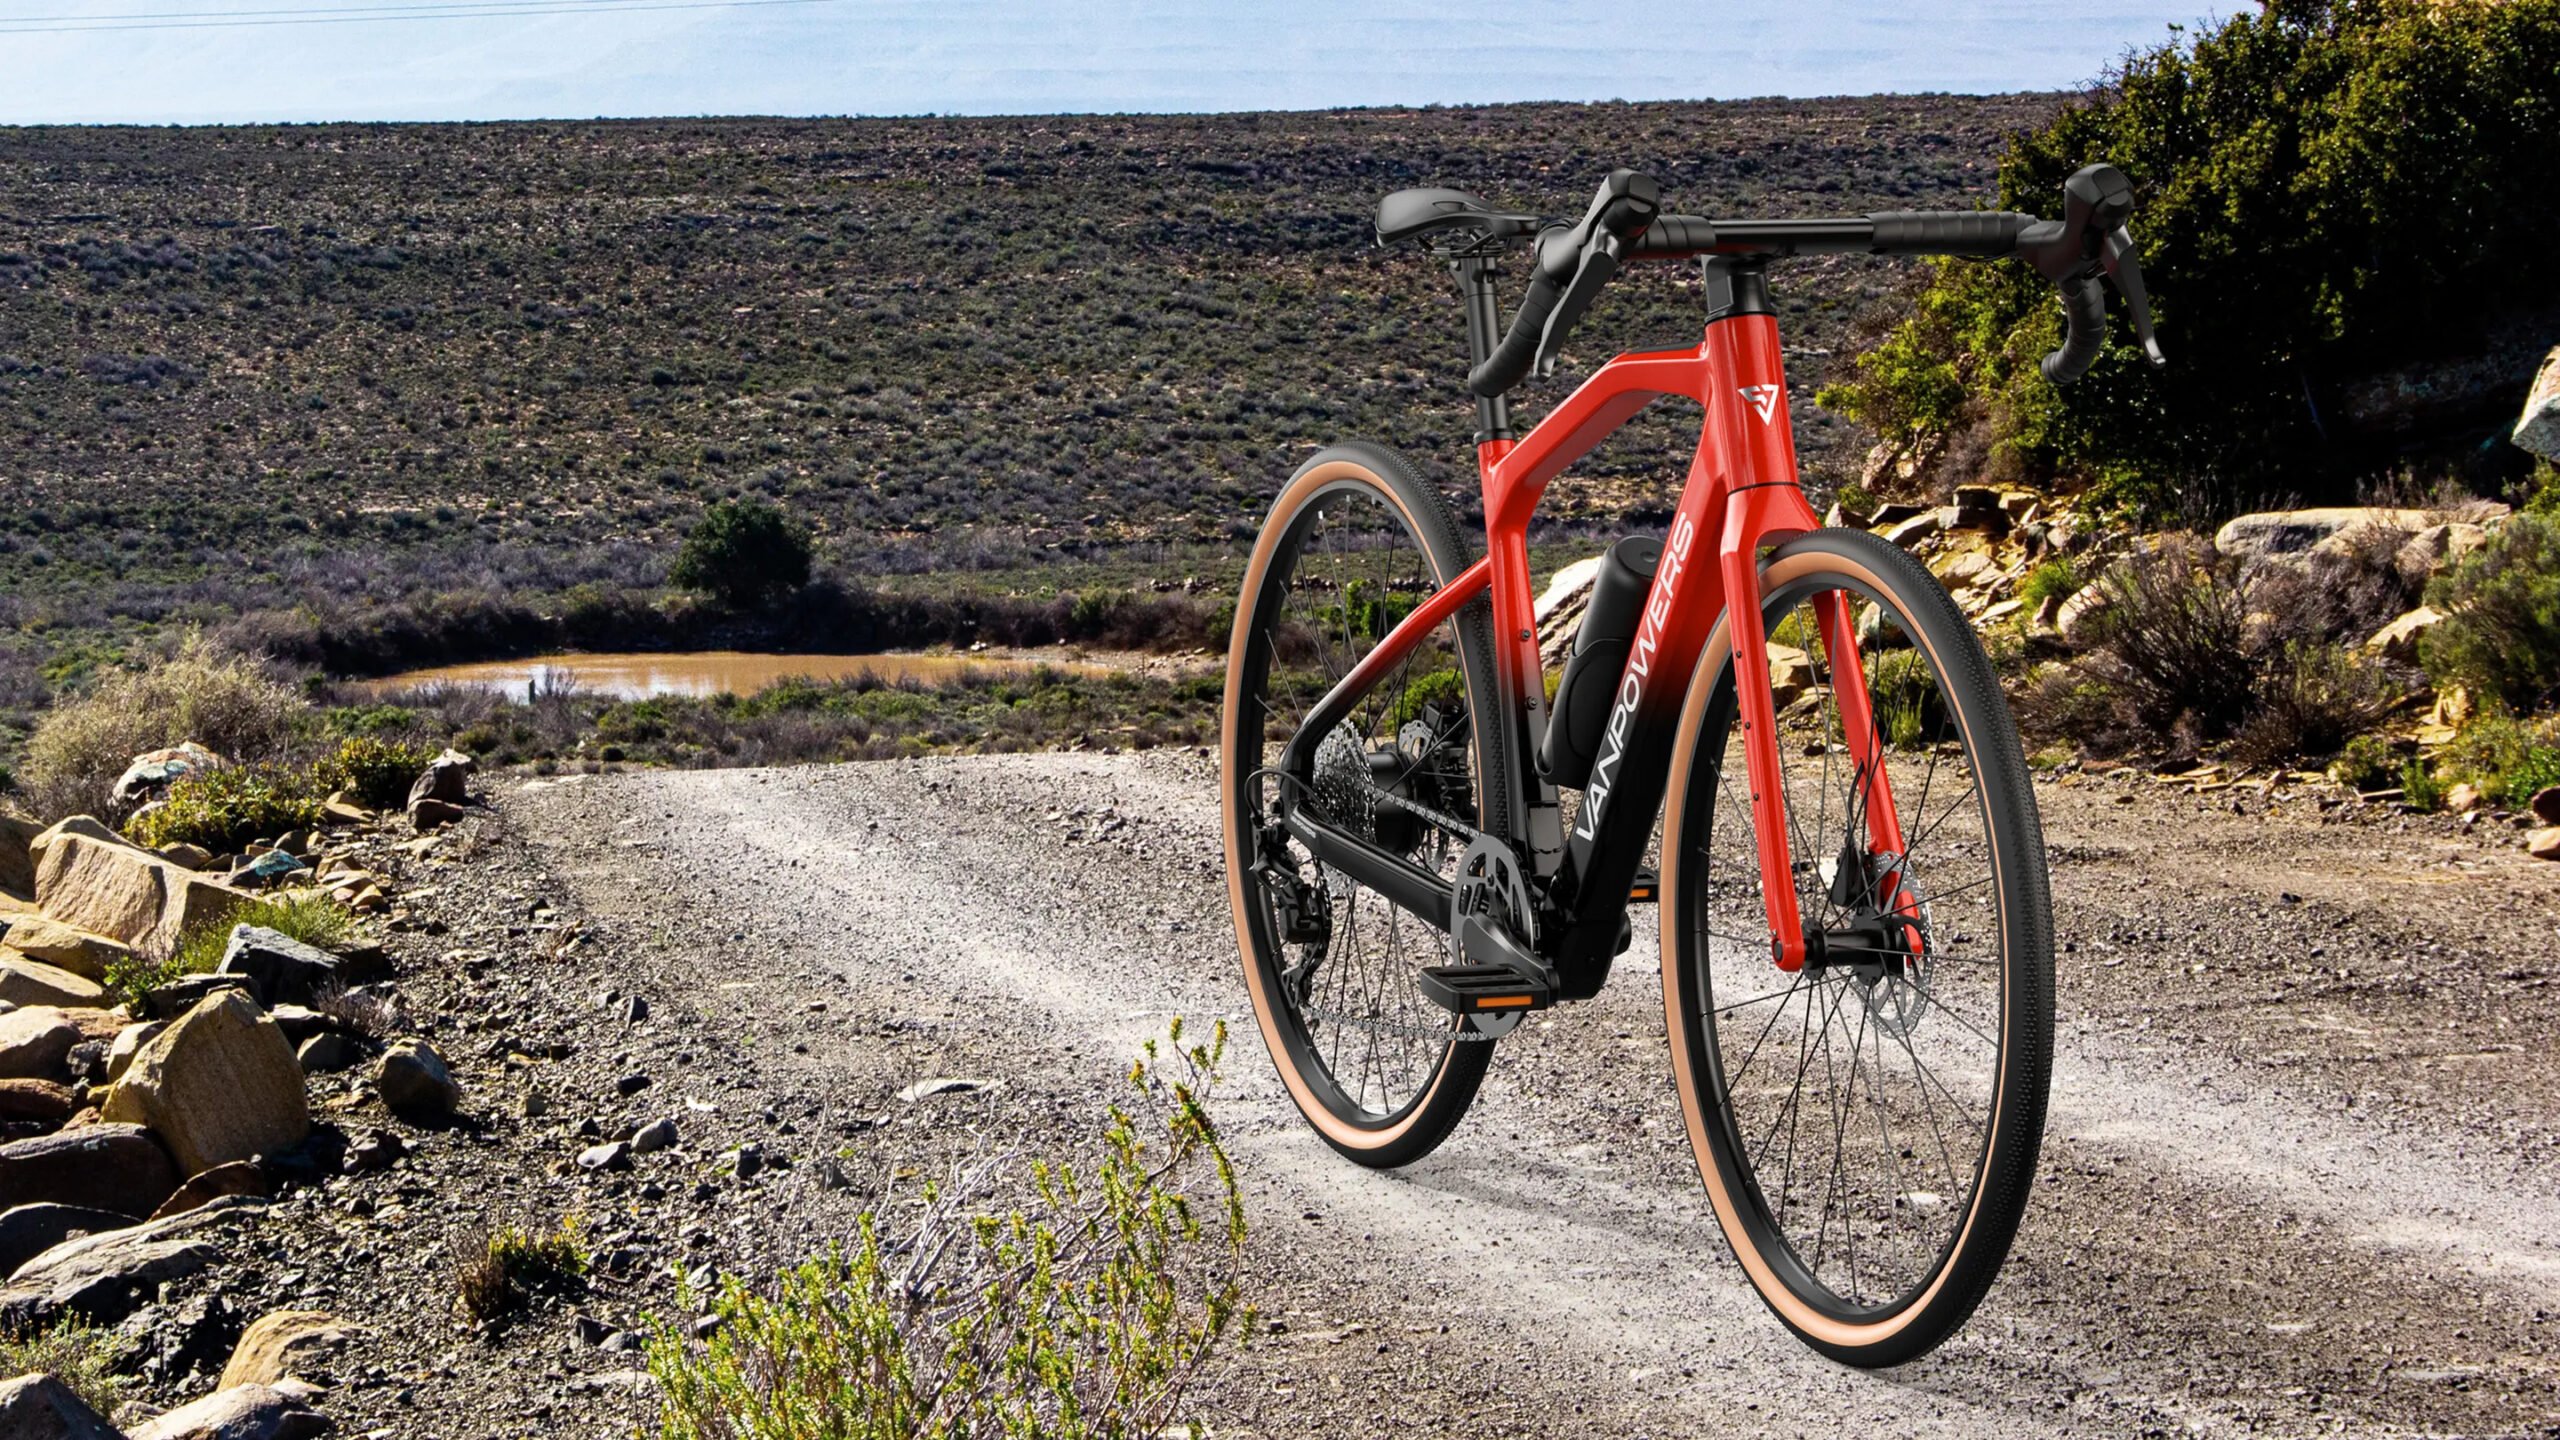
(1427, 1120)
(1896, 1337)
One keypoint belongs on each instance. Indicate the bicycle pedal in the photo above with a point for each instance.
(1646, 889)
(1469, 989)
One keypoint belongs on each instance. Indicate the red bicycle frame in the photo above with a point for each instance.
(1741, 496)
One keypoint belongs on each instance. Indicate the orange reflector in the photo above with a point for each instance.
(1504, 1002)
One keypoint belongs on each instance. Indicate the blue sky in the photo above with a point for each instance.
(417, 60)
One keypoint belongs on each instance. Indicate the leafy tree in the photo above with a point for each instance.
(2328, 189)
(744, 552)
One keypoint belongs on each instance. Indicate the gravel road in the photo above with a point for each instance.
(2303, 1175)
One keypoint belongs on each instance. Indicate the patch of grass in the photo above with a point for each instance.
(312, 919)
(79, 1355)
(2055, 579)
(507, 1269)
(2419, 787)
(1085, 1312)
(225, 809)
(224, 702)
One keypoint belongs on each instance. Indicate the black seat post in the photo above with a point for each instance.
(1484, 324)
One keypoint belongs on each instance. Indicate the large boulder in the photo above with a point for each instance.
(104, 1277)
(17, 861)
(279, 1345)
(113, 888)
(39, 1101)
(34, 1042)
(33, 982)
(27, 1231)
(2538, 428)
(239, 1412)
(2399, 639)
(288, 971)
(41, 937)
(220, 1084)
(2274, 533)
(40, 1407)
(150, 774)
(97, 1167)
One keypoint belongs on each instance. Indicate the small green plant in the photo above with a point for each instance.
(312, 919)
(1083, 1315)
(508, 1268)
(745, 553)
(1854, 500)
(1904, 693)
(1445, 688)
(2419, 787)
(224, 809)
(378, 772)
(2055, 579)
(79, 1355)
(2501, 629)
(2365, 764)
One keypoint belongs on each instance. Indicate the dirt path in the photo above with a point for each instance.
(2302, 1179)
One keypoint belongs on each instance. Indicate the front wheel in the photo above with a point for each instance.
(1868, 1126)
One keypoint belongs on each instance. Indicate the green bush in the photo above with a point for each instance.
(79, 1355)
(2419, 787)
(2327, 190)
(744, 553)
(2366, 762)
(1083, 1316)
(225, 809)
(2504, 758)
(378, 772)
(2501, 603)
(220, 701)
(2055, 579)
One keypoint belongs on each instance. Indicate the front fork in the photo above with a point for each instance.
(1756, 706)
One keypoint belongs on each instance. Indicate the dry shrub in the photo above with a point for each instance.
(225, 702)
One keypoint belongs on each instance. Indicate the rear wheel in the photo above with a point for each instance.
(1354, 544)
(1867, 1127)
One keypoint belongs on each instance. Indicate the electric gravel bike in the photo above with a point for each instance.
(1425, 842)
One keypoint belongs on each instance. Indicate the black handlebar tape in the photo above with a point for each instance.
(1509, 363)
(2084, 310)
(1948, 232)
(1674, 237)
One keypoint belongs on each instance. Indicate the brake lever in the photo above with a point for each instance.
(1599, 263)
(2124, 267)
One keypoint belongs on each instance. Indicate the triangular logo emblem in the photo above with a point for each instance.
(1763, 398)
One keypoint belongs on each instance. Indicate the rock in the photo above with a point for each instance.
(27, 1231)
(1919, 527)
(2292, 532)
(99, 1167)
(287, 970)
(614, 1156)
(590, 1330)
(446, 779)
(40, 1101)
(127, 894)
(33, 982)
(33, 1044)
(2436, 548)
(284, 1343)
(413, 1081)
(238, 1412)
(2538, 428)
(338, 809)
(327, 1054)
(240, 1177)
(41, 937)
(429, 813)
(374, 1150)
(39, 1407)
(168, 1002)
(2000, 610)
(17, 860)
(2398, 641)
(2545, 805)
(101, 1279)
(647, 1140)
(194, 857)
(299, 1022)
(1791, 674)
(2464, 798)
(631, 1084)
(2076, 620)
(220, 1084)
(635, 1010)
(149, 775)
(747, 1161)
(2543, 844)
(1966, 569)
(958, 1085)
(266, 867)
(185, 1340)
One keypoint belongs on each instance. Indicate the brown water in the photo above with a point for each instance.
(707, 672)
